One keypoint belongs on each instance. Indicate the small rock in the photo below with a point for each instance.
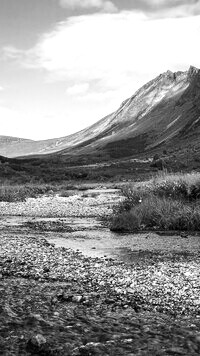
(175, 351)
(118, 290)
(130, 290)
(36, 343)
(102, 283)
(66, 297)
(77, 298)
(110, 301)
(56, 314)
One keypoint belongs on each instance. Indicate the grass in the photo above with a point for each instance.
(20, 192)
(17, 193)
(166, 202)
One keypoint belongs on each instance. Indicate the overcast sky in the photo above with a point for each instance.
(64, 64)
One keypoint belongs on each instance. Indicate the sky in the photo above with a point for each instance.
(65, 64)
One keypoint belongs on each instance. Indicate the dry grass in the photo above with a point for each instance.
(16, 193)
(167, 202)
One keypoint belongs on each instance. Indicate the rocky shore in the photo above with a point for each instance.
(56, 301)
(79, 205)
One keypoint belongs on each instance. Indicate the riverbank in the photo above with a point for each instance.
(89, 203)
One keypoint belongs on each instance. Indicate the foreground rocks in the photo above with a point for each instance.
(55, 301)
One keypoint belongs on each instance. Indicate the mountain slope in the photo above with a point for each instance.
(165, 110)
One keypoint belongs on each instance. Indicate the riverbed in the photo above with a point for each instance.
(88, 291)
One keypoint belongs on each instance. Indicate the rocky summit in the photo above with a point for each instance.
(164, 112)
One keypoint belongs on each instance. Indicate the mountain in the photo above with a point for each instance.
(9, 144)
(164, 112)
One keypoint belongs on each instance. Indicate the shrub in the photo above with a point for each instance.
(168, 202)
(156, 157)
(67, 193)
(159, 164)
(14, 193)
(176, 186)
(158, 213)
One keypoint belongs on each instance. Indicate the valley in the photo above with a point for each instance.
(161, 114)
(99, 232)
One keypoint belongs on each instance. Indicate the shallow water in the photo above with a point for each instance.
(94, 240)
(125, 247)
(90, 237)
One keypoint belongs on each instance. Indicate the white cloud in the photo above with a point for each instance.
(10, 52)
(23, 58)
(178, 10)
(103, 58)
(78, 89)
(167, 8)
(1, 88)
(114, 50)
(104, 5)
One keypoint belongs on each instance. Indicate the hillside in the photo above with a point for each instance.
(164, 112)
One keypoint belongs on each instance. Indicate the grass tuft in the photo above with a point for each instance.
(167, 202)
(17, 193)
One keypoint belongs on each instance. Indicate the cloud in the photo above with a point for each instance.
(78, 89)
(103, 58)
(167, 8)
(25, 58)
(107, 49)
(104, 5)
(1, 88)
(178, 8)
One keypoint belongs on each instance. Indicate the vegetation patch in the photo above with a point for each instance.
(16, 193)
(166, 202)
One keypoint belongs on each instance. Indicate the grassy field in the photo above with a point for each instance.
(166, 202)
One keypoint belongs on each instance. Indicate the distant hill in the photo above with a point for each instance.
(165, 112)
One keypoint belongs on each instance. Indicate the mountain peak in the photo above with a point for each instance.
(172, 76)
(167, 75)
(193, 71)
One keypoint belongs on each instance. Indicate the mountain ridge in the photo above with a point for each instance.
(161, 111)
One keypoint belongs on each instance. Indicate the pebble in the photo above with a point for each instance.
(35, 343)
(77, 298)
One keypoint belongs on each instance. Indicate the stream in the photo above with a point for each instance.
(88, 234)
(90, 237)
(101, 242)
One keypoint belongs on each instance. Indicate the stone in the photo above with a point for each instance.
(77, 298)
(36, 343)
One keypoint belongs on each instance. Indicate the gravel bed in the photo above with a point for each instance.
(55, 301)
(56, 206)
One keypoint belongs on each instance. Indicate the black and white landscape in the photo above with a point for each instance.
(99, 202)
(163, 113)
